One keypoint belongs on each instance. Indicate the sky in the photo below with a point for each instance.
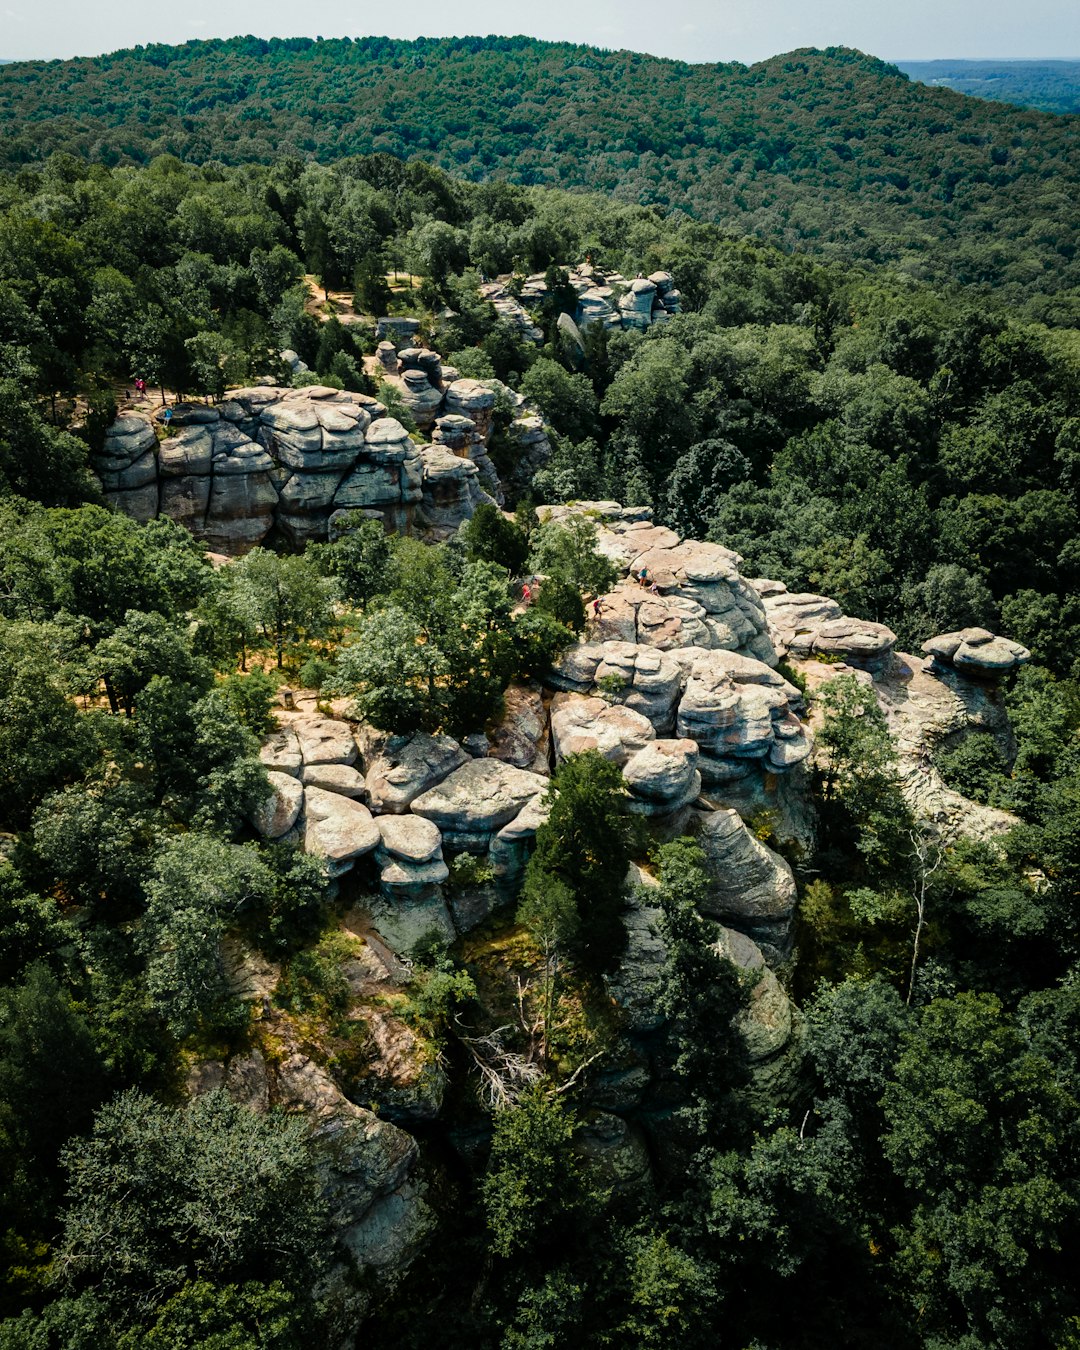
(692, 30)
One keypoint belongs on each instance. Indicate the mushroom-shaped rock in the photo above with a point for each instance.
(281, 751)
(663, 776)
(280, 810)
(750, 882)
(479, 798)
(342, 778)
(859, 641)
(324, 740)
(338, 829)
(400, 768)
(766, 1021)
(579, 723)
(977, 652)
(409, 838)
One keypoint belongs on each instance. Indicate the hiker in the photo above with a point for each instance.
(168, 416)
(526, 593)
(596, 607)
(654, 589)
(140, 386)
(643, 577)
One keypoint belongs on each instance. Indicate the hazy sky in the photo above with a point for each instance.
(695, 30)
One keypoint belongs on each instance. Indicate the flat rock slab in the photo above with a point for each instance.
(401, 768)
(480, 797)
(341, 778)
(325, 741)
(337, 829)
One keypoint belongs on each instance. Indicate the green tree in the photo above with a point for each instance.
(585, 845)
(282, 597)
(161, 1198)
(489, 537)
(699, 993)
(568, 552)
(532, 1191)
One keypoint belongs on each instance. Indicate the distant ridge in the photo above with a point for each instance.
(1052, 86)
(832, 152)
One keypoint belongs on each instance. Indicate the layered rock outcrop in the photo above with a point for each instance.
(607, 298)
(288, 460)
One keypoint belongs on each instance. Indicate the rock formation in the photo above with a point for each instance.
(287, 460)
(603, 297)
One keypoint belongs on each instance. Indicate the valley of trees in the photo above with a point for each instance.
(851, 430)
(831, 153)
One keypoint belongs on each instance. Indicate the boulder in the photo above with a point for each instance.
(470, 398)
(520, 737)
(400, 768)
(281, 751)
(579, 723)
(280, 810)
(337, 829)
(402, 919)
(323, 740)
(410, 838)
(766, 1022)
(752, 885)
(479, 798)
(977, 653)
(663, 777)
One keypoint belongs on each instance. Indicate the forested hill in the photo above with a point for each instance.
(829, 151)
(1052, 86)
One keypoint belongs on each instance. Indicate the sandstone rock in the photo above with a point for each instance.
(613, 1152)
(409, 838)
(766, 1022)
(375, 1210)
(279, 812)
(281, 751)
(403, 1079)
(324, 740)
(403, 920)
(479, 798)
(579, 723)
(341, 778)
(190, 451)
(400, 768)
(186, 501)
(521, 735)
(753, 886)
(977, 653)
(859, 641)
(470, 398)
(247, 1081)
(663, 776)
(140, 504)
(738, 709)
(451, 489)
(633, 983)
(337, 829)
